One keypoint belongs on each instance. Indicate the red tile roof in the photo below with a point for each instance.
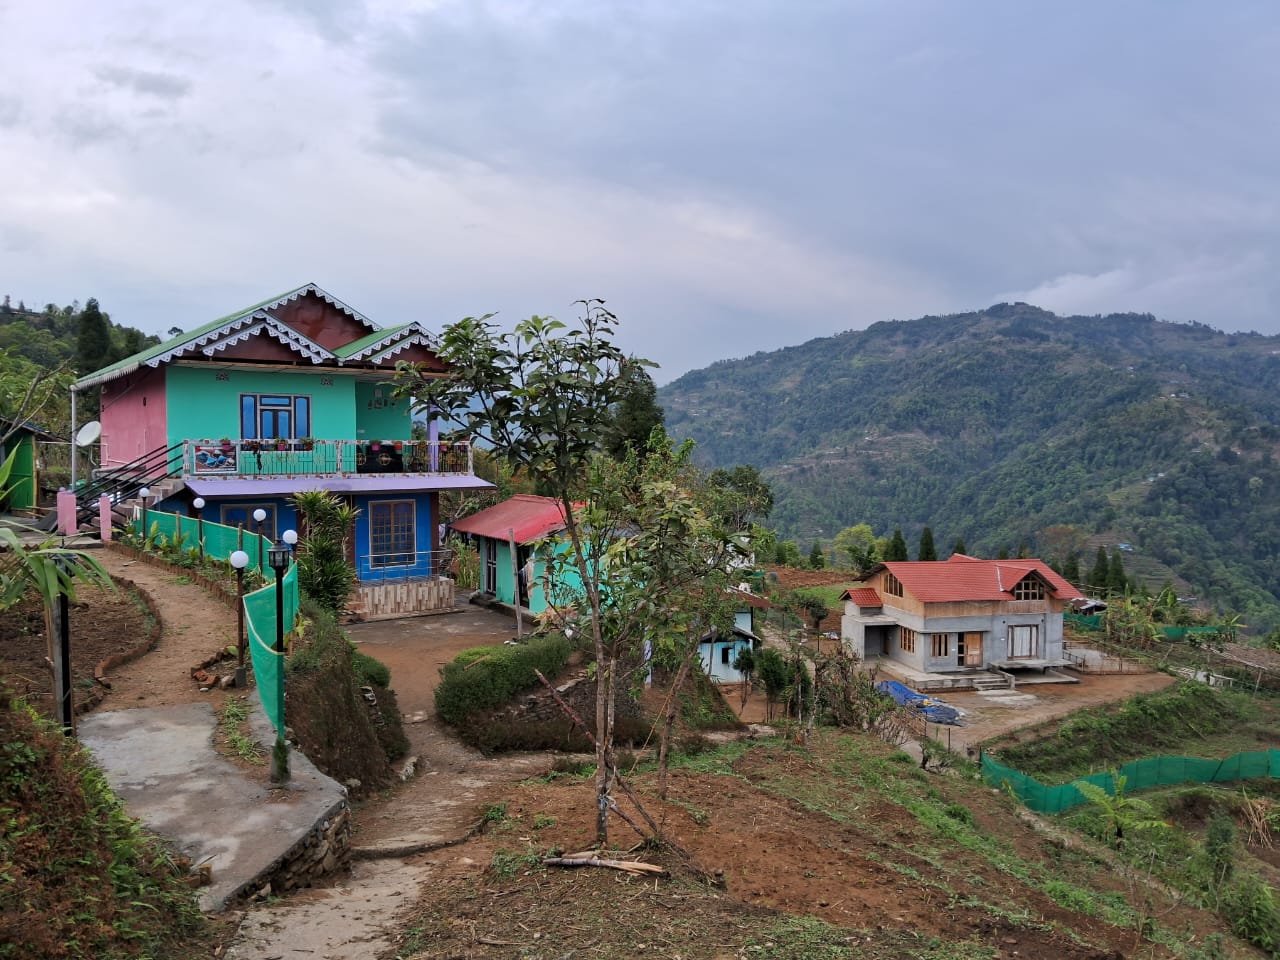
(966, 578)
(864, 597)
(530, 517)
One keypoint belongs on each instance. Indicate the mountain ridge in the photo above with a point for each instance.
(996, 424)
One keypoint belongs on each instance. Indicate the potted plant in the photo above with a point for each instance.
(251, 446)
(282, 444)
(307, 443)
(399, 445)
(375, 446)
(225, 444)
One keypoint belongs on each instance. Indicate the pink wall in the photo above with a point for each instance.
(133, 416)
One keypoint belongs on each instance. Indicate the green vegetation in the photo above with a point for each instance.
(231, 720)
(1100, 737)
(79, 879)
(486, 677)
(1127, 428)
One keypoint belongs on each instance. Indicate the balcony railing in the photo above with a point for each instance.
(302, 457)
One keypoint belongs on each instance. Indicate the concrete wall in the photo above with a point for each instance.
(993, 623)
(202, 407)
(133, 415)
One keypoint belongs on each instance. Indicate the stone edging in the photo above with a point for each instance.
(216, 588)
(119, 659)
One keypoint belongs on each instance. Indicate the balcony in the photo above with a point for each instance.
(303, 457)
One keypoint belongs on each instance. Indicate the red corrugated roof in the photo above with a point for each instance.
(966, 578)
(751, 599)
(529, 516)
(863, 597)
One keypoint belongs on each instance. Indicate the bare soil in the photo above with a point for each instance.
(775, 850)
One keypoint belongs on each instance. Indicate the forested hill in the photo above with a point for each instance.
(995, 426)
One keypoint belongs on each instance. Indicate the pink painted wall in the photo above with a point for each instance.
(133, 416)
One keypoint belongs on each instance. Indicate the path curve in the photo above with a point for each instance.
(194, 626)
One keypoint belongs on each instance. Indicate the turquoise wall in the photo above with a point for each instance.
(376, 417)
(422, 539)
(571, 583)
(201, 407)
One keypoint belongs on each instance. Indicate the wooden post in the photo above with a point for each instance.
(515, 574)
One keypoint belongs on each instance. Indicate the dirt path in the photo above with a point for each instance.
(396, 834)
(195, 626)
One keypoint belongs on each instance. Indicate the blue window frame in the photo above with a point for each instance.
(392, 533)
(269, 416)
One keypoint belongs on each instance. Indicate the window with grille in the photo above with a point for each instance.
(940, 644)
(892, 585)
(907, 640)
(1028, 589)
(392, 533)
(267, 416)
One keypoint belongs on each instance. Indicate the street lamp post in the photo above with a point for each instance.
(144, 493)
(198, 503)
(278, 558)
(258, 516)
(240, 560)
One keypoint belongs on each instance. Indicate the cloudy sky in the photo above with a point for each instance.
(731, 176)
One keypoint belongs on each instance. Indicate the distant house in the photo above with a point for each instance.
(522, 520)
(24, 476)
(719, 652)
(958, 615)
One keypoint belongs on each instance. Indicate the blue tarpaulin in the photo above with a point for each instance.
(932, 709)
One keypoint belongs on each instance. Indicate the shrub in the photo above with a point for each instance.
(370, 672)
(486, 677)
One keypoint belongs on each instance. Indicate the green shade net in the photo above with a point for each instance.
(260, 623)
(220, 541)
(1139, 774)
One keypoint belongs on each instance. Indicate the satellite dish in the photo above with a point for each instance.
(88, 434)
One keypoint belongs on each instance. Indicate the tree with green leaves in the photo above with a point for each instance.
(927, 550)
(858, 543)
(817, 559)
(1071, 569)
(93, 339)
(636, 413)
(1117, 581)
(897, 547)
(744, 497)
(959, 547)
(1100, 573)
(646, 554)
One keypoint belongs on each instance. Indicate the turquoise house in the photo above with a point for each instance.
(529, 524)
(292, 394)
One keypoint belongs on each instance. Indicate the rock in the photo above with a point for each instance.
(227, 682)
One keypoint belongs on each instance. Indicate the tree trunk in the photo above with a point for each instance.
(603, 773)
(668, 722)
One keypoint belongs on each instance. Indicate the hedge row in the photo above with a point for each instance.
(486, 677)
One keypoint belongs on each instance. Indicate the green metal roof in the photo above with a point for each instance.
(154, 356)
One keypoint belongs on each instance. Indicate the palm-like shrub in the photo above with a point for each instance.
(324, 574)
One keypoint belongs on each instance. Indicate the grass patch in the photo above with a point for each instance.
(231, 721)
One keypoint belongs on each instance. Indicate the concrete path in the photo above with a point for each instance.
(161, 761)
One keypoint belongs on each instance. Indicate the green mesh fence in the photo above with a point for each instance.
(220, 541)
(260, 623)
(1094, 622)
(1139, 775)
